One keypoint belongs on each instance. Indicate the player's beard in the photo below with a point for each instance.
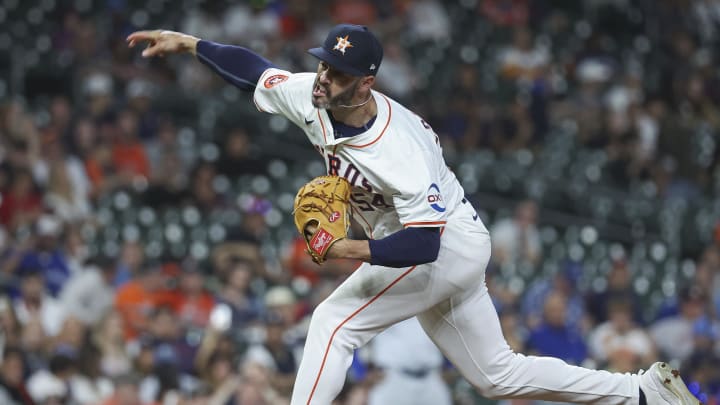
(343, 99)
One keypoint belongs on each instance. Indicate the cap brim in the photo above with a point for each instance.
(334, 61)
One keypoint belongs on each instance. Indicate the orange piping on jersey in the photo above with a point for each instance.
(425, 223)
(364, 220)
(322, 125)
(383, 130)
(327, 349)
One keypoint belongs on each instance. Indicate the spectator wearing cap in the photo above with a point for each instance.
(674, 335)
(13, 390)
(35, 305)
(97, 88)
(47, 255)
(89, 295)
(281, 301)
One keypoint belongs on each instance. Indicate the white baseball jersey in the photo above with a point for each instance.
(396, 168)
(400, 179)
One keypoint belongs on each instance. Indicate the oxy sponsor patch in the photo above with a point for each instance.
(434, 198)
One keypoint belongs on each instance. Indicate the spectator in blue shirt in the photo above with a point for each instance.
(553, 337)
(47, 255)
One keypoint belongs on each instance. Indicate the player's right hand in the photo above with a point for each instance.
(161, 42)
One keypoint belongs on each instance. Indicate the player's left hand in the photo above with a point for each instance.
(322, 214)
(162, 42)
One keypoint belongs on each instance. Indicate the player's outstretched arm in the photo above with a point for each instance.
(239, 66)
(161, 42)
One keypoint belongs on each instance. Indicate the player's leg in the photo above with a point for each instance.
(370, 300)
(467, 330)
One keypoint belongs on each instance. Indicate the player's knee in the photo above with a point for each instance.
(494, 392)
(327, 320)
(496, 382)
(325, 317)
(493, 389)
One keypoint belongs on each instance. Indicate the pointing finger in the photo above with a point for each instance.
(142, 36)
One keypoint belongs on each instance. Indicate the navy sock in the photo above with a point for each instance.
(643, 401)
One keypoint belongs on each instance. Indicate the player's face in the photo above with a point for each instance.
(333, 88)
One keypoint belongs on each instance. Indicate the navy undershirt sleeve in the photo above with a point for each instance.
(239, 66)
(406, 248)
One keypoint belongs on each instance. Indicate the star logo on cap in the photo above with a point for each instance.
(342, 44)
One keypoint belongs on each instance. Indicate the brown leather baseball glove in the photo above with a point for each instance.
(322, 214)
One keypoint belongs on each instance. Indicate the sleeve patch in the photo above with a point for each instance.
(434, 198)
(274, 80)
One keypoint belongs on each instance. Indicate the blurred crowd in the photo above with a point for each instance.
(81, 325)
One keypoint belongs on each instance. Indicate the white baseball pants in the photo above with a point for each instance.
(451, 301)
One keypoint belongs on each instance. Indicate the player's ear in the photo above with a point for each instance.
(367, 82)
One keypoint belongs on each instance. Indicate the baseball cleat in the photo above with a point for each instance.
(663, 385)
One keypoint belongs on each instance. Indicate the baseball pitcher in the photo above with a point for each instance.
(427, 248)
